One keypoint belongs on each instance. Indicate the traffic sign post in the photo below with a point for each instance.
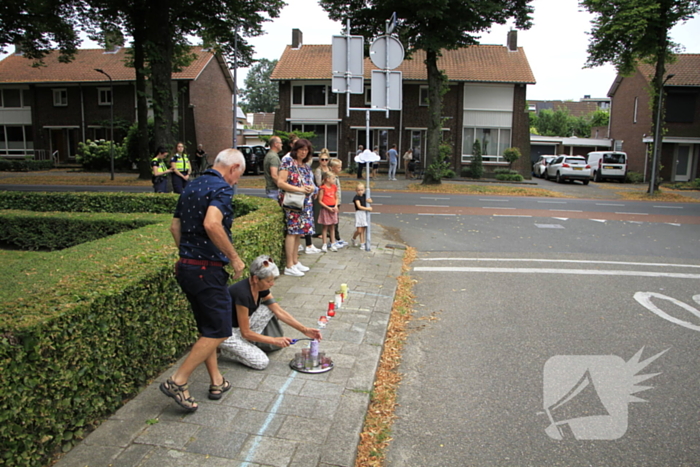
(386, 52)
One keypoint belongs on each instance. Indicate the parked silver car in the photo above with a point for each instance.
(568, 168)
(539, 166)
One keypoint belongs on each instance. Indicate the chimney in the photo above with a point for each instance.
(18, 48)
(512, 40)
(296, 39)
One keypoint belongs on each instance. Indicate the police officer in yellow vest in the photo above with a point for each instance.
(160, 171)
(180, 164)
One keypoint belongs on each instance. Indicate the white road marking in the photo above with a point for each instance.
(565, 210)
(608, 204)
(583, 272)
(644, 299)
(431, 214)
(552, 202)
(669, 207)
(508, 215)
(496, 200)
(426, 197)
(561, 218)
(671, 223)
(573, 261)
(634, 213)
(599, 220)
(431, 206)
(495, 207)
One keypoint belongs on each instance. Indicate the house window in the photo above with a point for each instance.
(680, 106)
(494, 141)
(313, 94)
(12, 98)
(368, 96)
(326, 136)
(16, 140)
(423, 96)
(104, 96)
(636, 104)
(60, 97)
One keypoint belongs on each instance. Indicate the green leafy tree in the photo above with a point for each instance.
(511, 155)
(627, 32)
(39, 26)
(260, 94)
(431, 26)
(600, 118)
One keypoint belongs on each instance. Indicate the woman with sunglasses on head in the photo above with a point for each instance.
(253, 307)
(323, 167)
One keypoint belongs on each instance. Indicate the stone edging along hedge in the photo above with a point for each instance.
(73, 354)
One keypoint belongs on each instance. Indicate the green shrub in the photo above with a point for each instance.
(502, 170)
(57, 230)
(96, 155)
(449, 173)
(634, 177)
(465, 171)
(510, 177)
(511, 155)
(24, 165)
(108, 318)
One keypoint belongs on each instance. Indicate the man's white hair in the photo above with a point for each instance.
(229, 157)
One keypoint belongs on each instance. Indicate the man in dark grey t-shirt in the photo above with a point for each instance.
(271, 165)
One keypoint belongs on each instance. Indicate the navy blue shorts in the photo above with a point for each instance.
(207, 291)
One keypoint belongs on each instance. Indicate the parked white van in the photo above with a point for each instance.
(608, 165)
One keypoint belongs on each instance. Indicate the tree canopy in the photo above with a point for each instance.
(627, 32)
(260, 94)
(561, 123)
(431, 26)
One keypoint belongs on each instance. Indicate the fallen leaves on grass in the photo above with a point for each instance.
(659, 196)
(495, 190)
(376, 433)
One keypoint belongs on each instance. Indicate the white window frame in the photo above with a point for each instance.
(328, 92)
(467, 157)
(60, 97)
(100, 100)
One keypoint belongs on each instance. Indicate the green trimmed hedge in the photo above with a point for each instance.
(73, 353)
(24, 165)
(57, 230)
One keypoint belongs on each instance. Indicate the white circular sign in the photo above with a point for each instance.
(386, 52)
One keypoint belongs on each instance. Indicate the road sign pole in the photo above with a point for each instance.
(368, 236)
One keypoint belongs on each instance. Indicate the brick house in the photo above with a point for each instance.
(486, 100)
(47, 110)
(631, 119)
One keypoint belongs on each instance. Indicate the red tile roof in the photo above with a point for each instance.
(478, 63)
(18, 69)
(686, 69)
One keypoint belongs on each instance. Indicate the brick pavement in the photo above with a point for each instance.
(275, 417)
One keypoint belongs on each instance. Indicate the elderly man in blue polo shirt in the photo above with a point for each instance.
(201, 228)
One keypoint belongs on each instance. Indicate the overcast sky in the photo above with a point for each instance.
(555, 45)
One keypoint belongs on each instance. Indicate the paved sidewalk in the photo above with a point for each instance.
(275, 417)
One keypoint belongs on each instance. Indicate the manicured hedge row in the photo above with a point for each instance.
(24, 165)
(73, 354)
(57, 230)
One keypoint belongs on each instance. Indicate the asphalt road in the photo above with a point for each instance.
(524, 346)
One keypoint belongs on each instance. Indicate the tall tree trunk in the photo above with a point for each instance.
(160, 57)
(657, 88)
(141, 105)
(435, 82)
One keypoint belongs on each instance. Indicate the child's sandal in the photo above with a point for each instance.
(177, 391)
(216, 391)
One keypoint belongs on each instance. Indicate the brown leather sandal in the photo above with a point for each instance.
(171, 389)
(216, 391)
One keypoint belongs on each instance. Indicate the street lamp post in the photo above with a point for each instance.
(657, 137)
(111, 122)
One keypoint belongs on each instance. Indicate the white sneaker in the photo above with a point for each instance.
(312, 250)
(338, 245)
(293, 272)
(342, 243)
(301, 247)
(301, 267)
(324, 248)
(334, 248)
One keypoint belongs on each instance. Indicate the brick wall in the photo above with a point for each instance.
(213, 109)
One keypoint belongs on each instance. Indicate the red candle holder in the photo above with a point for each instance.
(331, 313)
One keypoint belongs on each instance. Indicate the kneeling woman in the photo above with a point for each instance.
(253, 306)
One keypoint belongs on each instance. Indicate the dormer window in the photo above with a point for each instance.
(423, 96)
(60, 97)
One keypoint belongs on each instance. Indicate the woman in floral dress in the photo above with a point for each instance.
(295, 175)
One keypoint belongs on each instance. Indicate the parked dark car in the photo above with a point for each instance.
(254, 156)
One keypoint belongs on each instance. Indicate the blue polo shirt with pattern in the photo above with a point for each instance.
(210, 189)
